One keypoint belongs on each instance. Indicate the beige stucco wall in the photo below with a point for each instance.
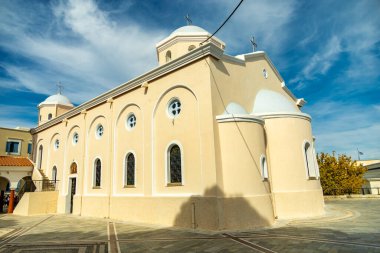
(13, 174)
(375, 186)
(24, 136)
(43, 112)
(222, 184)
(295, 194)
(179, 46)
(33, 203)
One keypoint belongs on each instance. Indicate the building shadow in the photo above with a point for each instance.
(216, 211)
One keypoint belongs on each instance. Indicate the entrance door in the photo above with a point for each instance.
(73, 182)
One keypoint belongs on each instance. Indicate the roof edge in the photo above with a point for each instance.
(200, 52)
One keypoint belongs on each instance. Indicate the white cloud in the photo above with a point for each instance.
(266, 20)
(366, 139)
(10, 116)
(84, 50)
(320, 62)
(343, 127)
(353, 32)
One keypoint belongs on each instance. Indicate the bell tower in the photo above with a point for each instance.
(53, 107)
(184, 40)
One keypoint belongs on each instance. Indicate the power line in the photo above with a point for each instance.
(225, 21)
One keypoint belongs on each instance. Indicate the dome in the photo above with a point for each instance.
(57, 99)
(234, 108)
(268, 101)
(189, 30)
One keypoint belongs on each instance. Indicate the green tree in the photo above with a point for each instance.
(340, 175)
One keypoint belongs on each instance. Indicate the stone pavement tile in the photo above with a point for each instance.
(67, 228)
(13, 221)
(305, 246)
(127, 231)
(224, 245)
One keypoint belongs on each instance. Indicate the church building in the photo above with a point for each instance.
(204, 140)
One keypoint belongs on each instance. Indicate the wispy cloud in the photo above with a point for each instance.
(10, 116)
(320, 62)
(349, 34)
(266, 20)
(95, 51)
(345, 126)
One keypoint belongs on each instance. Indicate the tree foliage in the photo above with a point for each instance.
(340, 175)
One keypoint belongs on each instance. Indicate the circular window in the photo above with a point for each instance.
(75, 138)
(131, 121)
(191, 47)
(99, 131)
(265, 73)
(56, 144)
(174, 108)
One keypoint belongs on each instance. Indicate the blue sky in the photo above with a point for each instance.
(327, 51)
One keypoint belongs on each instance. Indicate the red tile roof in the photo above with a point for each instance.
(15, 161)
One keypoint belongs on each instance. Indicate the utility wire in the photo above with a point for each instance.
(225, 21)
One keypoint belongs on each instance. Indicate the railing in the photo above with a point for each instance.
(349, 191)
(38, 186)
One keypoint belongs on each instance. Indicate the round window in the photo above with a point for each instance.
(75, 138)
(56, 144)
(99, 131)
(174, 108)
(131, 121)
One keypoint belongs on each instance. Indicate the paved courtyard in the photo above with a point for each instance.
(348, 226)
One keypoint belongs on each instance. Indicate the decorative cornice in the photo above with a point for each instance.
(194, 55)
(301, 102)
(273, 115)
(239, 118)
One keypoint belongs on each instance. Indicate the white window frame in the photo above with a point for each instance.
(168, 56)
(40, 153)
(309, 160)
(56, 173)
(125, 170)
(167, 163)
(264, 167)
(73, 138)
(94, 173)
(170, 115)
(19, 146)
(127, 121)
(98, 137)
(56, 144)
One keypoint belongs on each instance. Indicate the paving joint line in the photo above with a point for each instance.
(113, 243)
(249, 244)
(313, 239)
(22, 231)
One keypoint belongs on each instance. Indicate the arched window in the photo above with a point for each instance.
(264, 167)
(54, 174)
(175, 165)
(50, 116)
(40, 150)
(191, 47)
(97, 172)
(73, 168)
(168, 56)
(129, 173)
(309, 160)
